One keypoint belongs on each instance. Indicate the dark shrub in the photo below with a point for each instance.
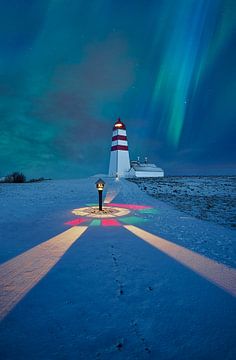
(15, 177)
(37, 180)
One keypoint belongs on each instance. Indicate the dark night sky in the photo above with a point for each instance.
(69, 68)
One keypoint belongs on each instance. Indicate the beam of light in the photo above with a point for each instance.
(149, 211)
(110, 195)
(130, 206)
(110, 222)
(77, 221)
(133, 220)
(19, 275)
(95, 222)
(219, 274)
(112, 191)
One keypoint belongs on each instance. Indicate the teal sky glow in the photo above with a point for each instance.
(68, 69)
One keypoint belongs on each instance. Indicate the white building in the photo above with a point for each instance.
(120, 165)
(144, 170)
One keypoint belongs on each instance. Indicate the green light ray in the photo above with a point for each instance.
(95, 222)
(149, 211)
(132, 220)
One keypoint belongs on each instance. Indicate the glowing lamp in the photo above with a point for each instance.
(119, 125)
(100, 186)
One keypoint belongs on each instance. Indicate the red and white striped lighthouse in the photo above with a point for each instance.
(119, 159)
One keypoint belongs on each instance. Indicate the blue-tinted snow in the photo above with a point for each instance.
(113, 296)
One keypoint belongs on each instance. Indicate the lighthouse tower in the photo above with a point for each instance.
(119, 159)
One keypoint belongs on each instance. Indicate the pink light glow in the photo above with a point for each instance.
(76, 221)
(110, 222)
(130, 206)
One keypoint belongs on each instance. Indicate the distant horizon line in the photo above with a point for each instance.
(41, 178)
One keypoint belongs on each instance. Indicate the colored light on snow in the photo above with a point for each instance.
(95, 222)
(149, 211)
(132, 220)
(76, 221)
(107, 212)
(219, 274)
(110, 211)
(110, 195)
(110, 222)
(130, 206)
(19, 275)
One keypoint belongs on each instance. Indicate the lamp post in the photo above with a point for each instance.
(100, 185)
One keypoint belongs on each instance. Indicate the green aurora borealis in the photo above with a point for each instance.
(69, 68)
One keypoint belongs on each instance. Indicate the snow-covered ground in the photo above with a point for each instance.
(211, 198)
(112, 292)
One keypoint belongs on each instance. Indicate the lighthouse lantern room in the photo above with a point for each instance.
(119, 158)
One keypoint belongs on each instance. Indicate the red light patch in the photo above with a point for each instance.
(110, 222)
(76, 221)
(107, 219)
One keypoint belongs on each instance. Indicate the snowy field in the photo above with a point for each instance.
(210, 198)
(152, 282)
